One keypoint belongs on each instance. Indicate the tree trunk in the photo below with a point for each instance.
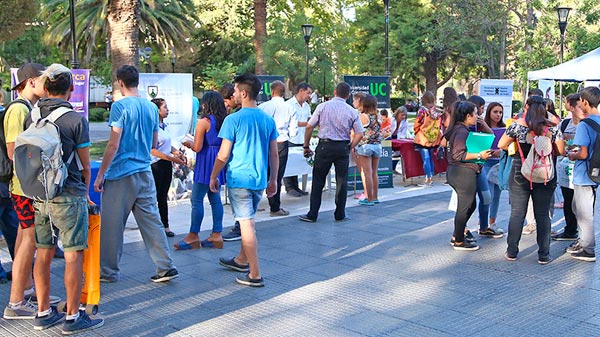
(123, 21)
(502, 51)
(430, 72)
(260, 35)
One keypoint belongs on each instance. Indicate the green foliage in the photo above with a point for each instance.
(14, 16)
(98, 115)
(214, 76)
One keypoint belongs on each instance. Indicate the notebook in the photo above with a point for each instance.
(477, 142)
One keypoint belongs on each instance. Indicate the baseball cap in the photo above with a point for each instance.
(27, 71)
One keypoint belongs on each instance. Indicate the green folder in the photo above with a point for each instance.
(477, 142)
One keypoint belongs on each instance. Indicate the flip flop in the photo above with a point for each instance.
(212, 244)
(182, 245)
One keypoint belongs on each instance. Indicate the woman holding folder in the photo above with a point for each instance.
(463, 170)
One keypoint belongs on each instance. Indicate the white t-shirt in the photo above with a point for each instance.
(302, 115)
(164, 142)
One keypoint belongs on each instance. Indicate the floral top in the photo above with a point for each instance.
(519, 133)
(372, 133)
(428, 127)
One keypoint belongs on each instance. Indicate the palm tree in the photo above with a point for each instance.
(162, 23)
(123, 21)
(260, 34)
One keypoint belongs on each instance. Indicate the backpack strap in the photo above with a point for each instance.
(57, 113)
(564, 124)
(592, 123)
(36, 115)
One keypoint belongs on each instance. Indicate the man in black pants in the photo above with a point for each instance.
(335, 119)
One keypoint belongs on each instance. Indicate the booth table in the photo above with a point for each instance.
(412, 164)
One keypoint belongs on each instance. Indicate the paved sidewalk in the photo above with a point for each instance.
(390, 271)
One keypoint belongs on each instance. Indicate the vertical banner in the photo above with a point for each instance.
(265, 91)
(80, 99)
(177, 91)
(547, 87)
(500, 91)
(384, 170)
(378, 86)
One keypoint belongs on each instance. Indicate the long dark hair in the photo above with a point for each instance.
(488, 114)
(460, 111)
(537, 115)
(214, 105)
(550, 107)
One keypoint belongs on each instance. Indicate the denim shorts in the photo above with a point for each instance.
(369, 150)
(244, 202)
(69, 216)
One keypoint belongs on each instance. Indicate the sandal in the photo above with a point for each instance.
(182, 245)
(170, 234)
(212, 244)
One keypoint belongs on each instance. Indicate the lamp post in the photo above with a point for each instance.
(387, 37)
(563, 16)
(307, 31)
(74, 62)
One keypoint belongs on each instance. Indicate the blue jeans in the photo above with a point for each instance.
(494, 189)
(427, 156)
(197, 199)
(520, 193)
(244, 202)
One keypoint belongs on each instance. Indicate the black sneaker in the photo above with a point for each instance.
(465, 246)
(169, 275)
(544, 260)
(468, 238)
(305, 218)
(45, 322)
(490, 233)
(252, 282)
(575, 247)
(231, 264)
(564, 237)
(235, 234)
(584, 256)
(82, 323)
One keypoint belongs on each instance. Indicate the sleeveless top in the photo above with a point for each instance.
(205, 159)
(372, 133)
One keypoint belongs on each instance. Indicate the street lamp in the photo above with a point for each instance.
(307, 31)
(563, 16)
(173, 59)
(387, 37)
(74, 62)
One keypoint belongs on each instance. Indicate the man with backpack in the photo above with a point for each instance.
(126, 180)
(62, 213)
(30, 89)
(585, 178)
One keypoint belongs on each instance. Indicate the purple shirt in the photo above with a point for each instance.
(335, 118)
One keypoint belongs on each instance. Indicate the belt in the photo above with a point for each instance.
(327, 140)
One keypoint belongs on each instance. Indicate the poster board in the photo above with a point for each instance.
(378, 86)
(384, 170)
(500, 91)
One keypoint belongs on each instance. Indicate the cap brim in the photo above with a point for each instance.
(15, 87)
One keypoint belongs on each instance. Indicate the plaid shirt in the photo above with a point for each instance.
(335, 119)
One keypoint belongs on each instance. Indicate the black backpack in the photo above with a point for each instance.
(594, 163)
(6, 165)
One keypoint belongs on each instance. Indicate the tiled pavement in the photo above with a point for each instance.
(390, 271)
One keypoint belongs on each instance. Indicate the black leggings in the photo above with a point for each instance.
(464, 181)
(162, 171)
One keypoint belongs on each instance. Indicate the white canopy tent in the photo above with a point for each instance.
(583, 68)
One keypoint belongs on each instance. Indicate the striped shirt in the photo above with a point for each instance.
(335, 119)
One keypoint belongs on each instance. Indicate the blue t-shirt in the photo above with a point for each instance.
(584, 136)
(251, 131)
(138, 119)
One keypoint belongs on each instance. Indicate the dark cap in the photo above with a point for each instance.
(27, 71)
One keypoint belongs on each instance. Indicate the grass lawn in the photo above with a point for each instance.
(97, 150)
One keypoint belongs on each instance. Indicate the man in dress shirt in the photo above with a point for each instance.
(287, 127)
(302, 108)
(335, 119)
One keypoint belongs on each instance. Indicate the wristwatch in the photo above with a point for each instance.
(479, 156)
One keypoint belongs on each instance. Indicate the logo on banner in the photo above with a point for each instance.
(377, 89)
(153, 91)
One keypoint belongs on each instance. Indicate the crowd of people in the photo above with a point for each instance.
(245, 146)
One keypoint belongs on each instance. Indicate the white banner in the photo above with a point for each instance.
(500, 91)
(177, 91)
(547, 87)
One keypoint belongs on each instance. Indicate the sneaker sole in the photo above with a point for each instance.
(18, 317)
(544, 262)
(68, 332)
(508, 258)
(564, 239)
(238, 238)
(164, 279)
(495, 236)
(466, 249)
(584, 258)
(241, 270)
(250, 284)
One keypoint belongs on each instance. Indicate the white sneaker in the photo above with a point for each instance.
(529, 228)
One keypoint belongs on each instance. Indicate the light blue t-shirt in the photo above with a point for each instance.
(138, 118)
(585, 136)
(250, 130)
